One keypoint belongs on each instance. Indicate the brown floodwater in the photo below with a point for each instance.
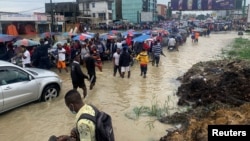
(116, 96)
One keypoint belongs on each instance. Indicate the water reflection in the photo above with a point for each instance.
(114, 95)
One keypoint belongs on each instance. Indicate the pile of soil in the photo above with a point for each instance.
(218, 92)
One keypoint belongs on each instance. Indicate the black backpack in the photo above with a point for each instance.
(103, 125)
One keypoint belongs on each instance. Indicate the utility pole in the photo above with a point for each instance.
(52, 16)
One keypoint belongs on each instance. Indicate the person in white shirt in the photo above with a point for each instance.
(172, 43)
(61, 57)
(84, 52)
(116, 58)
(26, 57)
(119, 44)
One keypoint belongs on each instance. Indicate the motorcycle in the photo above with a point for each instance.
(171, 48)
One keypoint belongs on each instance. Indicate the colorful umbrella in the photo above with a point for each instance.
(114, 32)
(48, 34)
(107, 36)
(131, 33)
(26, 43)
(69, 34)
(6, 37)
(82, 37)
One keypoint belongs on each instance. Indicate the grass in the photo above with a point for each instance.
(155, 109)
(240, 49)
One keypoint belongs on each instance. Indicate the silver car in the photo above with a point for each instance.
(19, 86)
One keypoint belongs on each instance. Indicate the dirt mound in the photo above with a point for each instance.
(219, 92)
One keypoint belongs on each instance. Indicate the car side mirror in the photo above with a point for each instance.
(30, 77)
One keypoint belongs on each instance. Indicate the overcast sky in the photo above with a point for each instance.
(30, 6)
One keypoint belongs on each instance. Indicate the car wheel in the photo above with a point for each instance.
(50, 92)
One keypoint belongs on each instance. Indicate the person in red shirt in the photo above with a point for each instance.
(129, 41)
(146, 45)
(68, 50)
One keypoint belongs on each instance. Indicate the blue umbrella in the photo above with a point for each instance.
(69, 34)
(141, 38)
(6, 37)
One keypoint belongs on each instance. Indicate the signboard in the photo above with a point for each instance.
(188, 5)
(17, 17)
(146, 16)
(20, 17)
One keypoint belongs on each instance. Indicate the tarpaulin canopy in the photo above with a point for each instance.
(141, 38)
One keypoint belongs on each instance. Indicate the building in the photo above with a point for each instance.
(24, 24)
(66, 10)
(135, 11)
(95, 11)
(117, 10)
(162, 10)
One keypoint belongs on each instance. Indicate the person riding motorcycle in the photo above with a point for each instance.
(172, 43)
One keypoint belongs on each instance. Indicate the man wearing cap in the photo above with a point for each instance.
(77, 75)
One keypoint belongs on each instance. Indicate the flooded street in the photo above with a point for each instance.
(116, 96)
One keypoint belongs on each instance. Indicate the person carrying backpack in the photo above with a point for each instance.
(92, 124)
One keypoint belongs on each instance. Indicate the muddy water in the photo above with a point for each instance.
(116, 96)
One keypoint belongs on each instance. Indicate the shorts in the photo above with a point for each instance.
(77, 84)
(124, 69)
(61, 64)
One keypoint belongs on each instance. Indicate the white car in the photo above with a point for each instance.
(19, 86)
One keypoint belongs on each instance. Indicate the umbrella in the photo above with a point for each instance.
(141, 38)
(69, 34)
(107, 36)
(131, 33)
(146, 32)
(26, 43)
(48, 34)
(62, 42)
(82, 37)
(182, 30)
(6, 37)
(91, 33)
(150, 39)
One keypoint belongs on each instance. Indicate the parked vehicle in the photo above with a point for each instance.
(19, 86)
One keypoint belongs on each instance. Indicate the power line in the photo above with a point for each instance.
(30, 10)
